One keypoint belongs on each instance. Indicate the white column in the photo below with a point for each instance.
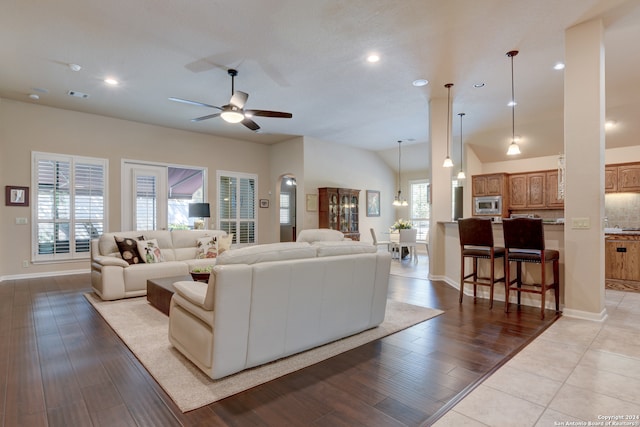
(440, 186)
(584, 143)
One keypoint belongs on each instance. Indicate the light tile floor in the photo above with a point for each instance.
(577, 372)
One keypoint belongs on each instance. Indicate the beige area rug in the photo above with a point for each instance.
(144, 330)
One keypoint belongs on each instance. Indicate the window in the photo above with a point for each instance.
(237, 205)
(70, 205)
(420, 209)
(285, 208)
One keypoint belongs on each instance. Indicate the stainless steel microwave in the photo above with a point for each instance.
(487, 205)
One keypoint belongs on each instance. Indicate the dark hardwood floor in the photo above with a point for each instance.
(62, 365)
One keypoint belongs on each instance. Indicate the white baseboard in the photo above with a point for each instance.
(586, 315)
(45, 274)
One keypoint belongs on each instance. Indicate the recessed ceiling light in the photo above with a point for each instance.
(34, 96)
(610, 124)
(420, 82)
(478, 85)
(559, 66)
(111, 81)
(75, 67)
(373, 57)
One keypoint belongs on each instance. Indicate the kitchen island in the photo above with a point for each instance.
(554, 239)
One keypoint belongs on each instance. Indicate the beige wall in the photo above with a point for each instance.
(332, 165)
(26, 127)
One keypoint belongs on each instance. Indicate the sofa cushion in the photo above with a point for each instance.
(268, 252)
(319, 234)
(345, 247)
(207, 247)
(223, 243)
(150, 251)
(128, 248)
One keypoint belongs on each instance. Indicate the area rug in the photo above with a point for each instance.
(144, 330)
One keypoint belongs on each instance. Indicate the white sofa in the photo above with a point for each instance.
(269, 301)
(113, 278)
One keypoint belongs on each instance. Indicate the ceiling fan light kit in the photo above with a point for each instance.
(234, 111)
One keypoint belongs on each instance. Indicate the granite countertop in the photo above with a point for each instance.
(623, 231)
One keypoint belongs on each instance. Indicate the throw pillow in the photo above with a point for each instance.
(224, 243)
(207, 247)
(150, 251)
(128, 248)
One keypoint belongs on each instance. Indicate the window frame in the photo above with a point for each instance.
(74, 218)
(419, 223)
(238, 216)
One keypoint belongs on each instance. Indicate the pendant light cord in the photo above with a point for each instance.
(399, 169)
(448, 86)
(511, 54)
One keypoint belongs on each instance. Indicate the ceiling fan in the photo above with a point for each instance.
(234, 111)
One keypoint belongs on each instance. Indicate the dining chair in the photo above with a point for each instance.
(377, 242)
(476, 242)
(408, 240)
(524, 242)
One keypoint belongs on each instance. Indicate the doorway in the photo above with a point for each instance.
(288, 187)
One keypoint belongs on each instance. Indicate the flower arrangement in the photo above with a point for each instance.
(401, 224)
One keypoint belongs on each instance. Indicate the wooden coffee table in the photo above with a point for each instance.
(160, 291)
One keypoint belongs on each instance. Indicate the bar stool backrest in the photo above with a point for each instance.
(523, 233)
(475, 232)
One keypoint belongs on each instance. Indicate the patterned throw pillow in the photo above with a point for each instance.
(224, 243)
(150, 251)
(207, 247)
(128, 248)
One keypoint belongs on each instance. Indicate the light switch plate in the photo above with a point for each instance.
(21, 220)
(580, 223)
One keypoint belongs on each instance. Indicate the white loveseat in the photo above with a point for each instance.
(114, 278)
(269, 301)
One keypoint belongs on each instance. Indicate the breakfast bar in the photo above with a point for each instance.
(554, 239)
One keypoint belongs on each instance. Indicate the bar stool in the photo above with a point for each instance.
(476, 242)
(524, 242)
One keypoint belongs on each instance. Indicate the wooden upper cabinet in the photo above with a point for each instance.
(528, 190)
(518, 191)
(629, 177)
(610, 179)
(488, 185)
(553, 201)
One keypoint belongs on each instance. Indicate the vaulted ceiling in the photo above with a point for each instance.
(309, 58)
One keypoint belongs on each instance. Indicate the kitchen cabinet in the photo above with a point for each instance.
(629, 177)
(488, 185)
(553, 201)
(528, 190)
(610, 179)
(622, 178)
(338, 209)
(622, 257)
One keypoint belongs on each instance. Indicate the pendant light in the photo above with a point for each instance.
(447, 161)
(514, 149)
(398, 201)
(461, 174)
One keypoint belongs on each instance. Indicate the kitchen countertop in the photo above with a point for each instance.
(622, 231)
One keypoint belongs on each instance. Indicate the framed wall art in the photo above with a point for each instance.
(16, 196)
(373, 203)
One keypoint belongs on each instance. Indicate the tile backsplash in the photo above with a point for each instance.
(622, 209)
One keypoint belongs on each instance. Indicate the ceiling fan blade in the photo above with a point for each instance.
(250, 124)
(267, 113)
(199, 104)
(239, 99)
(210, 116)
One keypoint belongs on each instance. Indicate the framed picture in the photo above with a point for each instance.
(16, 196)
(264, 203)
(373, 203)
(312, 202)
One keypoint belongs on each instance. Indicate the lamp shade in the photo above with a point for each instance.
(199, 210)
